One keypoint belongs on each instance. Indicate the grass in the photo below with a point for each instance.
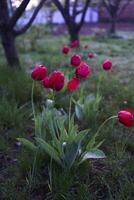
(107, 179)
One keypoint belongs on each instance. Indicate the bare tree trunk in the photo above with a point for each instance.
(8, 32)
(113, 25)
(8, 42)
(74, 34)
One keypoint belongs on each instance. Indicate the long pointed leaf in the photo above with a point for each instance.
(49, 150)
(27, 144)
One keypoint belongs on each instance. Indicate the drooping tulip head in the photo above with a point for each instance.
(126, 117)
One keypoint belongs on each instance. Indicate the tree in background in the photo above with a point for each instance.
(71, 15)
(50, 8)
(8, 29)
(115, 8)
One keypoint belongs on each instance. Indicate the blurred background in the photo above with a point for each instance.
(34, 32)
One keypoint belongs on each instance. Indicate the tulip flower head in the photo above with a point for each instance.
(56, 80)
(45, 82)
(73, 84)
(83, 70)
(107, 64)
(75, 60)
(39, 73)
(65, 50)
(126, 117)
(74, 44)
(91, 55)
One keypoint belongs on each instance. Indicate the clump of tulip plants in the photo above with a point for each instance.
(56, 133)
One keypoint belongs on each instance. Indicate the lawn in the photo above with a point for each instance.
(26, 176)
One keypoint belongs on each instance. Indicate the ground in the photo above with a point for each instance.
(91, 28)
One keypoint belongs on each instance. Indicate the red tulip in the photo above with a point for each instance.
(39, 73)
(73, 84)
(65, 49)
(91, 55)
(74, 44)
(56, 80)
(107, 64)
(86, 46)
(45, 82)
(75, 60)
(82, 71)
(126, 117)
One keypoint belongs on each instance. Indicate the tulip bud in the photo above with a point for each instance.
(75, 60)
(73, 84)
(45, 82)
(65, 49)
(91, 55)
(39, 73)
(82, 71)
(56, 80)
(107, 64)
(126, 117)
(74, 44)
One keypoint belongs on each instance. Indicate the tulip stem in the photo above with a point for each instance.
(32, 101)
(100, 127)
(69, 114)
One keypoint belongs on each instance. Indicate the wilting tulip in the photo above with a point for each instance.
(39, 73)
(75, 60)
(107, 64)
(82, 71)
(126, 117)
(73, 84)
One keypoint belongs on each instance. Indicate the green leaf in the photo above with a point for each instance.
(49, 150)
(27, 144)
(81, 135)
(70, 153)
(99, 144)
(91, 143)
(96, 154)
(78, 111)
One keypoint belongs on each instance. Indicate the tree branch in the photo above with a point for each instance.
(25, 28)
(17, 14)
(62, 10)
(124, 6)
(106, 5)
(67, 6)
(75, 9)
(83, 14)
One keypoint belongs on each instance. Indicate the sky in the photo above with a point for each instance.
(30, 5)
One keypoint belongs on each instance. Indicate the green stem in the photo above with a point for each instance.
(100, 127)
(53, 95)
(32, 101)
(69, 114)
(50, 176)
